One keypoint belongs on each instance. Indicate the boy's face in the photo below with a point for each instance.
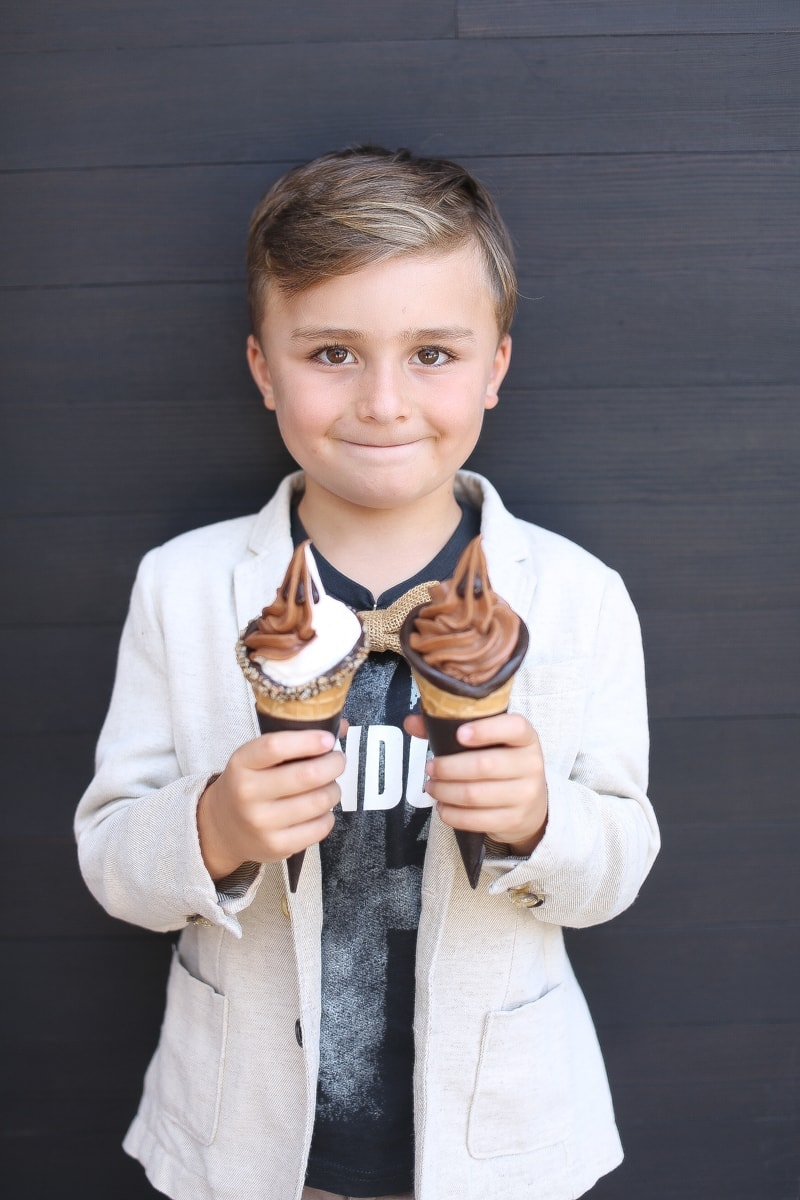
(380, 379)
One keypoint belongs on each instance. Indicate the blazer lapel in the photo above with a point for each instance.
(506, 548)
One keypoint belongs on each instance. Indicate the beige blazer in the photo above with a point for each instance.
(511, 1098)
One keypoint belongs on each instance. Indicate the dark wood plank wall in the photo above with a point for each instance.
(647, 155)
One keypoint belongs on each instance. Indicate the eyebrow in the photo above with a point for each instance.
(447, 333)
(314, 333)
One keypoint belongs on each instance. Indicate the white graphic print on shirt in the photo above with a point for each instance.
(372, 872)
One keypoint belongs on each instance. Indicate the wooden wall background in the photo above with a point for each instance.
(647, 156)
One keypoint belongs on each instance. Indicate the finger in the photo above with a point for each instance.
(474, 820)
(298, 776)
(505, 825)
(480, 794)
(299, 837)
(500, 763)
(505, 729)
(291, 811)
(415, 725)
(286, 745)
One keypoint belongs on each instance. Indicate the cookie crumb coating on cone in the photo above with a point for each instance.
(269, 694)
(321, 706)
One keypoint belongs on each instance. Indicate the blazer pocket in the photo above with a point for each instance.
(521, 1095)
(191, 1053)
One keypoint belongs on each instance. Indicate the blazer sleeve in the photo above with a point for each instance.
(601, 837)
(136, 827)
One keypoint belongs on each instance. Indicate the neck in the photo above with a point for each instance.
(378, 548)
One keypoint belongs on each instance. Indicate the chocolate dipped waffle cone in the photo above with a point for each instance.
(276, 647)
(322, 710)
(464, 648)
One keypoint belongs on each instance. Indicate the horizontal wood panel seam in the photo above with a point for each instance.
(638, 35)
(689, 99)
(132, 46)
(514, 39)
(467, 159)
(698, 718)
(758, 1023)
(622, 35)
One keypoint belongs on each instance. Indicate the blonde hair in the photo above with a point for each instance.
(355, 207)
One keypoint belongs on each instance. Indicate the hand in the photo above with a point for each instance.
(275, 797)
(496, 785)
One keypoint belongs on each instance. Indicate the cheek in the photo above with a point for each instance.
(301, 424)
(291, 427)
(461, 414)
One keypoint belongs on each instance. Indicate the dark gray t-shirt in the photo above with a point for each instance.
(363, 1143)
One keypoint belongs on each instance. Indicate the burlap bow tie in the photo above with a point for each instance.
(382, 625)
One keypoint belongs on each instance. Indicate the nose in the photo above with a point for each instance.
(384, 396)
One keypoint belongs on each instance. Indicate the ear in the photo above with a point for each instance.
(502, 359)
(260, 371)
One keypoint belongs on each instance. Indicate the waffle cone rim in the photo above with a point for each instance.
(457, 687)
(271, 694)
(439, 703)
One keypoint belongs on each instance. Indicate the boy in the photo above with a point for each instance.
(299, 1056)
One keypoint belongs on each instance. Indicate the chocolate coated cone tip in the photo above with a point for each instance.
(472, 850)
(294, 865)
(268, 724)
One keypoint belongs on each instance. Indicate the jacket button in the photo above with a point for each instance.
(298, 1032)
(285, 905)
(525, 897)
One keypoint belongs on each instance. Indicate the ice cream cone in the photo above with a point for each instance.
(444, 711)
(279, 708)
(448, 700)
(314, 702)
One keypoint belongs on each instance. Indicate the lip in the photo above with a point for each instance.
(357, 445)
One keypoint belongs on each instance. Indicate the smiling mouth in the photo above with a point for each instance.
(357, 441)
(382, 445)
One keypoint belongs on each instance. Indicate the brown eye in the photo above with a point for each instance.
(430, 356)
(335, 355)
